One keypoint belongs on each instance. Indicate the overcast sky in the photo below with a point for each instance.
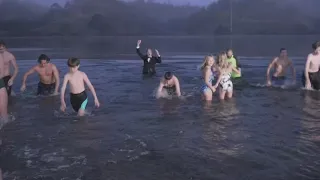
(193, 2)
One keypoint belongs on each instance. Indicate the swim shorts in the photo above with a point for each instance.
(79, 101)
(2, 84)
(6, 81)
(278, 81)
(314, 80)
(45, 89)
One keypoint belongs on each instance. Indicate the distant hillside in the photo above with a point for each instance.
(114, 17)
(252, 17)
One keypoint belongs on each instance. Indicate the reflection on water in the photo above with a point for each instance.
(262, 133)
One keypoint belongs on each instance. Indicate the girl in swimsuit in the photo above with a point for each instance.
(224, 79)
(169, 85)
(207, 89)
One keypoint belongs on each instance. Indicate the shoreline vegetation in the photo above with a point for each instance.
(113, 18)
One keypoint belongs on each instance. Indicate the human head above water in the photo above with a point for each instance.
(149, 52)
(222, 60)
(168, 75)
(73, 63)
(2, 46)
(208, 61)
(43, 60)
(283, 52)
(316, 46)
(229, 53)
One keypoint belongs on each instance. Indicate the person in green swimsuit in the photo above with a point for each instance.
(235, 63)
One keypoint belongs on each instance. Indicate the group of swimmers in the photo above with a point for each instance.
(220, 72)
(218, 75)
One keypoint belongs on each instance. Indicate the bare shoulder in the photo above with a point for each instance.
(66, 76)
(36, 67)
(82, 74)
(53, 66)
(9, 55)
(175, 78)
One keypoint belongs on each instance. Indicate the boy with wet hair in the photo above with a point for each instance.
(77, 80)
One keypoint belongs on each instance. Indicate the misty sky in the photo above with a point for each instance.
(193, 2)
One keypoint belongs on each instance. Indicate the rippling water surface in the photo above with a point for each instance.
(262, 133)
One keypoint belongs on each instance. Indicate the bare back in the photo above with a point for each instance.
(6, 58)
(46, 74)
(314, 62)
(76, 82)
(280, 66)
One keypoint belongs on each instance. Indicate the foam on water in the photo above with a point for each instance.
(261, 132)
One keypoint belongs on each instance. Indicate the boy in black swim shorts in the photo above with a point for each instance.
(78, 95)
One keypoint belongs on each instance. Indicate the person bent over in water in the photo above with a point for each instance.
(169, 85)
(9, 60)
(224, 78)
(311, 74)
(280, 64)
(149, 61)
(48, 74)
(231, 58)
(208, 75)
(77, 80)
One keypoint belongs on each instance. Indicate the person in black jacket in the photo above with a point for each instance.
(149, 61)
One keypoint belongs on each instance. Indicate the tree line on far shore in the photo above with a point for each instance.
(118, 18)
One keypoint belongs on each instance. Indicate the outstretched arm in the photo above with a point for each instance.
(159, 90)
(90, 86)
(138, 50)
(269, 68)
(15, 67)
(158, 58)
(57, 78)
(31, 71)
(177, 84)
(293, 70)
(63, 89)
(306, 72)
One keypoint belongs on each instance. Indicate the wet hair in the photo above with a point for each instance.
(205, 61)
(222, 60)
(315, 45)
(282, 49)
(73, 62)
(2, 43)
(229, 49)
(168, 75)
(43, 57)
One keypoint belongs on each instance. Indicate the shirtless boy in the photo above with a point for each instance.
(169, 85)
(78, 95)
(280, 64)
(311, 75)
(48, 74)
(8, 59)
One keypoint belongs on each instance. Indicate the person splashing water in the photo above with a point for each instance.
(280, 64)
(169, 86)
(49, 76)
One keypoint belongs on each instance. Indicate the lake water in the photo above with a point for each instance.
(262, 133)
